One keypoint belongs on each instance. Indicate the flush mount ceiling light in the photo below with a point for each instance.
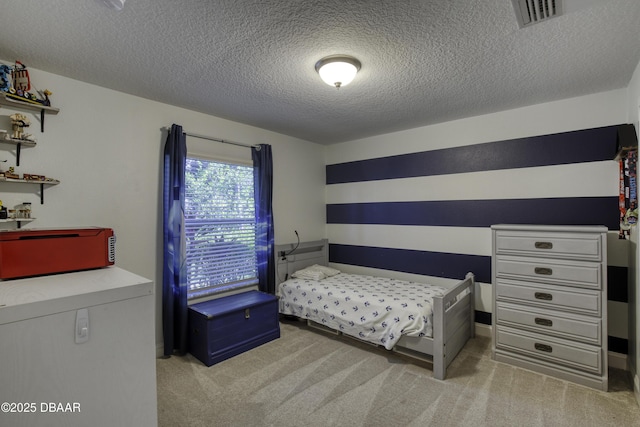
(338, 70)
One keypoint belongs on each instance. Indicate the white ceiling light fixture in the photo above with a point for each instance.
(338, 70)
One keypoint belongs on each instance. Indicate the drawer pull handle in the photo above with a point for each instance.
(247, 314)
(544, 270)
(544, 245)
(543, 296)
(543, 347)
(543, 322)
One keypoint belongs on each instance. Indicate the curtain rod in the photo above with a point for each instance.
(210, 138)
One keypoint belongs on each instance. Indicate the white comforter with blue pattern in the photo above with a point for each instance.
(375, 309)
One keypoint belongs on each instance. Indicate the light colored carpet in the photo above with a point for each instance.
(308, 378)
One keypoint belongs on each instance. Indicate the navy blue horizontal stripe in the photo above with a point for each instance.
(618, 345)
(617, 284)
(481, 213)
(437, 264)
(483, 317)
(588, 145)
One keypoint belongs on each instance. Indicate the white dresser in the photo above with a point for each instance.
(550, 300)
(78, 349)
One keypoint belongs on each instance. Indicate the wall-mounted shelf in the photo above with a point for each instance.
(14, 102)
(622, 152)
(33, 182)
(19, 221)
(626, 141)
(19, 143)
(26, 105)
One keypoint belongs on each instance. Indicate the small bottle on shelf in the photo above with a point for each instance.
(27, 209)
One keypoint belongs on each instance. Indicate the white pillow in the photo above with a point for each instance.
(327, 271)
(307, 273)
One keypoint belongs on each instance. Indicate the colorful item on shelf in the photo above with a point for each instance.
(628, 195)
(21, 80)
(33, 177)
(11, 174)
(18, 123)
(45, 97)
(16, 84)
(5, 78)
(26, 208)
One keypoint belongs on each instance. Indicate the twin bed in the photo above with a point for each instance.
(428, 322)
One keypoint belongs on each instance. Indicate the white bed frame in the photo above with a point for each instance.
(453, 313)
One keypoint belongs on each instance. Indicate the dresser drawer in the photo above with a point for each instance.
(549, 322)
(556, 350)
(554, 245)
(567, 273)
(575, 300)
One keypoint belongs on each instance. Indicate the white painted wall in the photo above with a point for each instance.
(587, 179)
(106, 149)
(633, 105)
(601, 109)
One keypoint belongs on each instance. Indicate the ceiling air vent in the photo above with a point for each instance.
(529, 12)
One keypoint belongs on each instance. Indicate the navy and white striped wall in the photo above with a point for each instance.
(429, 213)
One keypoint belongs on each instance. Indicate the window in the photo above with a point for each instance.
(220, 226)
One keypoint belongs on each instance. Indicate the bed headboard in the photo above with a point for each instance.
(292, 257)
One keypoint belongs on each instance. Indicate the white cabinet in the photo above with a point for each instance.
(550, 300)
(47, 369)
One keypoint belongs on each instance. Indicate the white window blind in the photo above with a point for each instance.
(220, 225)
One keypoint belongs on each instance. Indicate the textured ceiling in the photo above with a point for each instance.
(423, 61)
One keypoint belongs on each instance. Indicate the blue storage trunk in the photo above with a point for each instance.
(227, 326)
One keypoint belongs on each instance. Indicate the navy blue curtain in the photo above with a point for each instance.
(174, 275)
(263, 193)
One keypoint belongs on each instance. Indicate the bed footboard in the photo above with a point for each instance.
(453, 324)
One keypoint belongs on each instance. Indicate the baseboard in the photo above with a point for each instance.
(483, 330)
(636, 384)
(618, 361)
